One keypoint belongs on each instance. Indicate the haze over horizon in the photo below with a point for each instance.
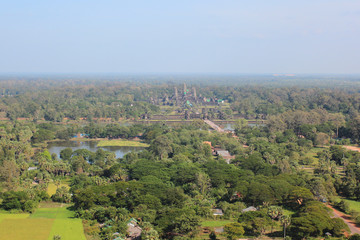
(234, 37)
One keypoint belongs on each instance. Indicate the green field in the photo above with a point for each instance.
(55, 213)
(215, 223)
(42, 225)
(354, 205)
(69, 229)
(13, 216)
(121, 143)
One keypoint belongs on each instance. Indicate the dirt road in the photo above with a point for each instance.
(347, 219)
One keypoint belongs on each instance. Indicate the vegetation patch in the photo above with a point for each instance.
(51, 190)
(25, 229)
(121, 143)
(215, 223)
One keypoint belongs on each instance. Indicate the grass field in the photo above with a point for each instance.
(43, 224)
(69, 229)
(215, 223)
(354, 205)
(58, 213)
(13, 216)
(121, 143)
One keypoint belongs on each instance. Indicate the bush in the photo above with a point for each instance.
(343, 206)
(355, 216)
(30, 206)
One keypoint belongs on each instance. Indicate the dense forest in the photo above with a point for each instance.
(54, 100)
(279, 183)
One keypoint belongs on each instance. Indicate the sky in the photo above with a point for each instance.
(184, 36)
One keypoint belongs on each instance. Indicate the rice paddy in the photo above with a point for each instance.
(43, 224)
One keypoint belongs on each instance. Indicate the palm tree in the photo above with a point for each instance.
(274, 212)
(285, 220)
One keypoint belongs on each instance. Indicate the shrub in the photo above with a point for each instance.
(343, 206)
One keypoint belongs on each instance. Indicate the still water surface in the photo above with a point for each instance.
(56, 147)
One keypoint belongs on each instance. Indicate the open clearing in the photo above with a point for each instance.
(44, 224)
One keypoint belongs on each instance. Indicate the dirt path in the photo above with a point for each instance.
(352, 148)
(347, 219)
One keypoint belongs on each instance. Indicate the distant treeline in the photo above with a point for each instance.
(55, 100)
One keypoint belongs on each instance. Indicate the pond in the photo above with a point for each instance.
(228, 126)
(56, 147)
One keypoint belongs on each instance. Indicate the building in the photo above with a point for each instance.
(133, 230)
(217, 212)
(224, 154)
(249, 209)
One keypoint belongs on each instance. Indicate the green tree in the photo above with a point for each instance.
(338, 119)
(9, 173)
(285, 221)
(66, 154)
(187, 224)
(148, 232)
(234, 230)
(274, 212)
(161, 146)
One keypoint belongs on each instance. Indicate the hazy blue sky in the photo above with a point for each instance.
(182, 36)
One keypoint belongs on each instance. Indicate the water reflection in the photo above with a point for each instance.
(56, 147)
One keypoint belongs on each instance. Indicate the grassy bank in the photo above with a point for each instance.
(121, 143)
